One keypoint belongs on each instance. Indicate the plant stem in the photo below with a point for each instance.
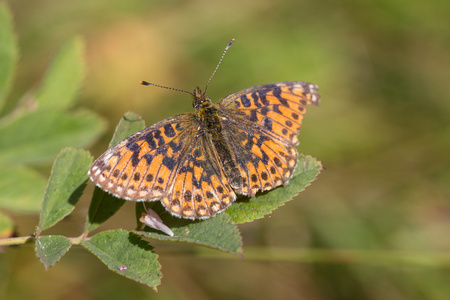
(16, 241)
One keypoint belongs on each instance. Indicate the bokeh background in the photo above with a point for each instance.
(382, 132)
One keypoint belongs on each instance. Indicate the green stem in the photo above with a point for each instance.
(16, 241)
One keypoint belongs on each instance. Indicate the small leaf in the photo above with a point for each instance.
(8, 51)
(104, 205)
(38, 137)
(126, 254)
(6, 227)
(64, 76)
(66, 184)
(130, 123)
(218, 232)
(21, 189)
(49, 249)
(251, 209)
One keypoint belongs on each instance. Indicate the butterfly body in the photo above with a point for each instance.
(196, 163)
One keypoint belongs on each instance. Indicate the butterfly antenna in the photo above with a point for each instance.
(220, 61)
(165, 87)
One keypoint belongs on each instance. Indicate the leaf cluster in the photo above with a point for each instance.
(43, 121)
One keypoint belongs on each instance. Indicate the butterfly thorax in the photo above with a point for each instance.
(206, 113)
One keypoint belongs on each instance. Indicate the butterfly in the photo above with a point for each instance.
(196, 163)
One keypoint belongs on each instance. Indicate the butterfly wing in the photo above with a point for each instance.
(201, 188)
(169, 160)
(260, 125)
(140, 166)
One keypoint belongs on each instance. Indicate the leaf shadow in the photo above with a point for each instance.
(137, 240)
(77, 193)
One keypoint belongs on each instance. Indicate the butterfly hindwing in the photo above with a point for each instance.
(200, 187)
(263, 163)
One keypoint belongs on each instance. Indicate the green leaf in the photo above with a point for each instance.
(21, 189)
(6, 226)
(38, 137)
(218, 232)
(64, 76)
(250, 209)
(8, 51)
(65, 187)
(49, 249)
(104, 205)
(126, 254)
(130, 123)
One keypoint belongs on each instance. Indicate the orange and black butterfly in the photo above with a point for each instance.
(196, 163)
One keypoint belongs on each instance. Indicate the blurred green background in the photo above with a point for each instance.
(382, 132)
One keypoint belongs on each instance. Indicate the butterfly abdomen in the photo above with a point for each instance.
(211, 122)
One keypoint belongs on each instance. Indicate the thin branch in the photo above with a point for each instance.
(16, 241)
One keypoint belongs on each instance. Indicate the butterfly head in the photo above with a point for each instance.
(201, 101)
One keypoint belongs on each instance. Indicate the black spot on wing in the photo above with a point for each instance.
(264, 111)
(136, 176)
(135, 158)
(267, 123)
(276, 109)
(158, 137)
(161, 151)
(255, 98)
(245, 101)
(249, 145)
(169, 162)
(261, 140)
(149, 177)
(187, 196)
(263, 98)
(197, 152)
(133, 146)
(168, 130)
(196, 183)
(150, 140)
(148, 157)
(174, 146)
(253, 116)
(264, 158)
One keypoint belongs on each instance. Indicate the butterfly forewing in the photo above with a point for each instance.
(261, 125)
(278, 107)
(140, 167)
